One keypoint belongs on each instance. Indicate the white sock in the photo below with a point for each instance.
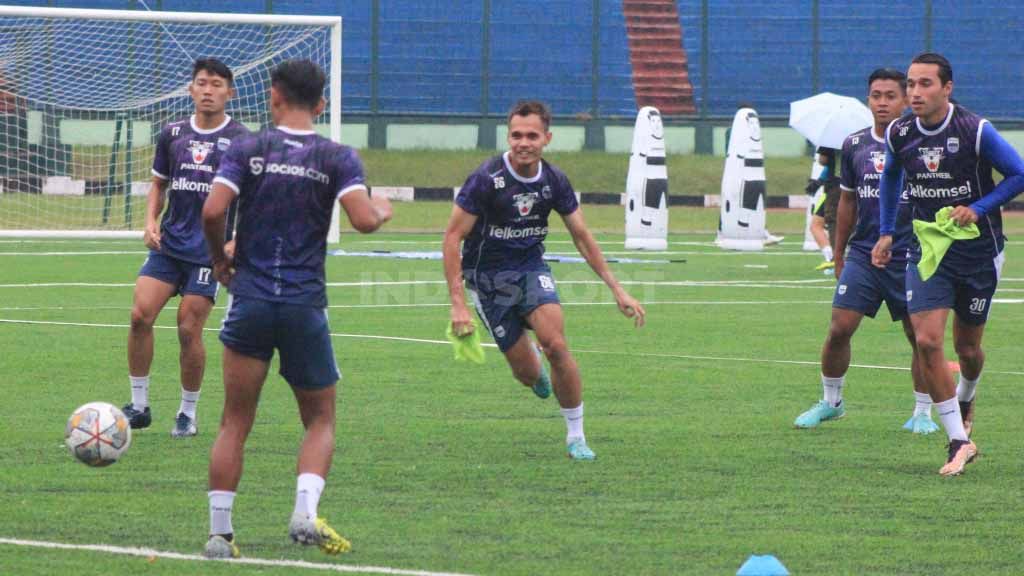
(965, 388)
(827, 253)
(140, 391)
(573, 423)
(189, 400)
(221, 503)
(307, 494)
(922, 403)
(949, 413)
(833, 389)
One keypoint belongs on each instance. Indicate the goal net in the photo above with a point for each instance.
(84, 94)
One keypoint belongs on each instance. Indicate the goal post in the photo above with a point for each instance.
(84, 94)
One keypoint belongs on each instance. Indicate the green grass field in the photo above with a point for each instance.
(452, 468)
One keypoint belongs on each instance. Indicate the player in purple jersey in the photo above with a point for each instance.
(947, 154)
(187, 154)
(862, 288)
(502, 215)
(287, 180)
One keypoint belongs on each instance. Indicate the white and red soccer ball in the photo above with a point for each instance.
(97, 434)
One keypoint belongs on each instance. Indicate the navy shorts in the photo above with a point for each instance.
(255, 327)
(186, 277)
(504, 299)
(967, 291)
(862, 288)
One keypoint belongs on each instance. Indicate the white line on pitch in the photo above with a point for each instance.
(79, 253)
(446, 304)
(490, 345)
(150, 553)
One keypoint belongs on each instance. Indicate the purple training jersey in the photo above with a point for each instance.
(863, 162)
(287, 183)
(943, 166)
(187, 158)
(512, 215)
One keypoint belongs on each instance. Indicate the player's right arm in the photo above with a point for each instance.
(154, 206)
(460, 224)
(846, 214)
(846, 217)
(157, 190)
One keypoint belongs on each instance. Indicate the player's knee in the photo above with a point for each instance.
(839, 334)
(189, 332)
(555, 349)
(928, 344)
(968, 352)
(142, 319)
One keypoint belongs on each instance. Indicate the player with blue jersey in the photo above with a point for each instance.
(287, 180)
(187, 154)
(500, 219)
(947, 154)
(862, 288)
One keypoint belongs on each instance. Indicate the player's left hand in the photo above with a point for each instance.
(631, 308)
(963, 216)
(224, 270)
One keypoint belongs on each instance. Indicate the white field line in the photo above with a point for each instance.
(370, 283)
(150, 553)
(445, 305)
(823, 284)
(491, 345)
(79, 253)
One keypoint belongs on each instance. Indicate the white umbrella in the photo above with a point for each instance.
(826, 119)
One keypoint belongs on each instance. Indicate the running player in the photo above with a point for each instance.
(502, 214)
(947, 154)
(187, 154)
(862, 287)
(287, 180)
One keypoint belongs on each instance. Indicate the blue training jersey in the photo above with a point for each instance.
(944, 166)
(863, 162)
(512, 215)
(187, 158)
(287, 183)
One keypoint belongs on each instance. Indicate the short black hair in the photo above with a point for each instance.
(888, 74)
(214, 67)
(301, 82)
(527, 107)
(945, 69)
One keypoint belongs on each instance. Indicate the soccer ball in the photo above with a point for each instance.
(97, 434)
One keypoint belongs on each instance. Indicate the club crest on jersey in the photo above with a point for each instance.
(545, 192)
(223, 143)
(931, 158)
(878, 160)
(524, 203)
(199, 150)
(953, 144)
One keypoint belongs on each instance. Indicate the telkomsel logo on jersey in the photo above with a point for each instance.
(182, 183)
(510, 233)
(257, 166)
